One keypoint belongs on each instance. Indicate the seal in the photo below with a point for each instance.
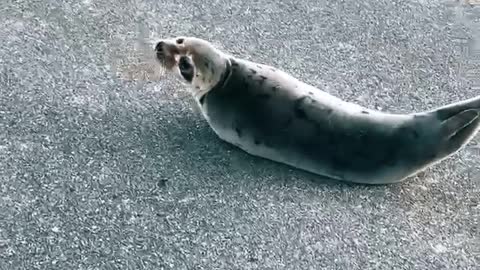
(270, 114)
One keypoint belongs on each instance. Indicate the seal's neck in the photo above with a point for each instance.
(212, 78)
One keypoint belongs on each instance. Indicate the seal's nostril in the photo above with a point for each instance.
(159, 46)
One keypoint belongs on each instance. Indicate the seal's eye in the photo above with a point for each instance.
(184, 63)
(186, 68)
(180, 41)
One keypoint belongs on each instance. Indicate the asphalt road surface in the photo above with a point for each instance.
(104, 167)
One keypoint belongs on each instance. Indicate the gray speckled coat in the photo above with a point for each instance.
(268, 113)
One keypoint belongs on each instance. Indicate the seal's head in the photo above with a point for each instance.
(196, 60)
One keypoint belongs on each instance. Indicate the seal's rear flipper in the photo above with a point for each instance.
(459, 129)
(451, 110)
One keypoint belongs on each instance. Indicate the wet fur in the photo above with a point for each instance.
(268, 113)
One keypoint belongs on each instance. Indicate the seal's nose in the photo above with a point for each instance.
(159, 46)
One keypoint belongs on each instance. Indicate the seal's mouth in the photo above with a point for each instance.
(165, 54)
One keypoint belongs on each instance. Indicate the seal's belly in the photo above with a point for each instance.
(328, 144)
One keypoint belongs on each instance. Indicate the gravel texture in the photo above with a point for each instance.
(104, 166)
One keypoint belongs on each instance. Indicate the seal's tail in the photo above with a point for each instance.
(459, 123)
(459, 129)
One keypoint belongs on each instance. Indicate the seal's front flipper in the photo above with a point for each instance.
(459, 129)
